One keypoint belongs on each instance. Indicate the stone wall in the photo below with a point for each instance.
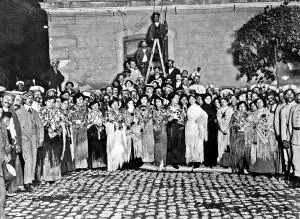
(90, 44)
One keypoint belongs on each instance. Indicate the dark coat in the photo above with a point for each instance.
(173, 74)
(52, 79)
(140, 55)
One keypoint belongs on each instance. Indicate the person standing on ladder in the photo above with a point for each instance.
(158, 31)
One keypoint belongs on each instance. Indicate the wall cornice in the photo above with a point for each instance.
(88, 6)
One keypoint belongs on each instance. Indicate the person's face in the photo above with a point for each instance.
(185, 74)
(144, 44)
(253, 107)
(58, 103)
(199, 100)
(260, 104)
(187, 92)
(69, 86)
(281, 97)
(95, 106)
(65, 105)
(17, 102)
(289, 96)
(156, 71)
(144, 101)
(141, 81)
(158, 102)
(242, 108)
(185, 81)
(169, 81)
(196, 80)
(37, 96)
(71, 100)
(155, 85)
(132, 65)
(242, 97)
(271, 99)
(178, 77)
(121, 79)
(217, 103)
(106, 99)
(254, 96)
(156, 18)
(224, 103)
(130, 104)
(109, 91)
(51, 93)
(133, 94)
(29, 100)
(208, 100)
(249, 94)
(233, 100)
(184, 101)
(298, 98)
(115, 92)
(86, 101)
(149, 90)
(158, 92)
(192, 100)
(79, 100)
(50, 103)
(115, 105)
(7, 101)
(171, 64)
(175, 99)
(128, 84)
(125, 94)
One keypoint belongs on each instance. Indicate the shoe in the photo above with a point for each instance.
(175, 166)
(28, 188)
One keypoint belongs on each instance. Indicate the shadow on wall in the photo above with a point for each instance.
(24, 48)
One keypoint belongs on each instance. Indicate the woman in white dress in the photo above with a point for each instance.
(195, 132)
(224, 115)
(116, 137)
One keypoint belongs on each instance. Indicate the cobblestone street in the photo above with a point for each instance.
(140, 194)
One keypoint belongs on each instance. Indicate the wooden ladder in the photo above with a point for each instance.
(156, 43)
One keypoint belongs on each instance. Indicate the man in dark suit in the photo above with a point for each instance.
(172, 71)
(142, 56)
(53, 77)
(158, 31)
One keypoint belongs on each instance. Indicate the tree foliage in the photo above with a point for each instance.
(266, 38)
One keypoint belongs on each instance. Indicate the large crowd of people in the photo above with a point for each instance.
(160, 120)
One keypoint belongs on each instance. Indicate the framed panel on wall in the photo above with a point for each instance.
(131, 44)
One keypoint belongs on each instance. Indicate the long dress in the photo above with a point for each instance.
(238, 125)
(223, 116)
(263, 152)
(176, 135)
(96, 140)
(160, 136)
(67, 163)
(147, 134)
(79, 147)
(211, 145)
(116, 140)
(134, 149)
(195, 134)
(53, 144)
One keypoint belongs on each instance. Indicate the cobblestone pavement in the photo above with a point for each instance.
(140, 194)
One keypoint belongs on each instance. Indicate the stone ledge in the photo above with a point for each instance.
(128, 5)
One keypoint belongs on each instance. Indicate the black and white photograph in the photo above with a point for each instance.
(149, 109)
